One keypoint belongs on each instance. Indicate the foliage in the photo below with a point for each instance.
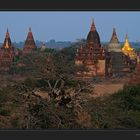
(120, 110)
(69, 104)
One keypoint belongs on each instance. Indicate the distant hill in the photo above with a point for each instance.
(58, 44)
(62, 44)
(49, 44)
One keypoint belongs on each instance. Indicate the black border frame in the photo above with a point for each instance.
(69, 134)
(69, 5)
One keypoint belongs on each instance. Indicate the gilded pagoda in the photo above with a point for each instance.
(116, 62)
(128, 50)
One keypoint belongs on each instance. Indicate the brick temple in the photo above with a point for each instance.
(91, 55)
(110, 60)
(29, 45)
(6, 53)
(117, 63)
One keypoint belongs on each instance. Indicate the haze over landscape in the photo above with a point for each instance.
(69, 26)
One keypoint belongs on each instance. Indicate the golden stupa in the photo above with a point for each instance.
(128, 50)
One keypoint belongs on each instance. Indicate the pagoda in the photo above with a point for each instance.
(6, 53)
(91, 55)
(29, 45)
(128, 50)
(116, 61)
(43, 47)
(114, 44)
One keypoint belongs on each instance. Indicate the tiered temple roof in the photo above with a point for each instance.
(6, 53)
(114, 45)
(29, 45)
(117, 63)
(128, 50)
(92, 52)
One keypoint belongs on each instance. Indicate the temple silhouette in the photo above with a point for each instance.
(103, 61)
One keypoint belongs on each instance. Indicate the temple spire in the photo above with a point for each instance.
(114, 31)
(29, 43)
(30, 29)
(126, 38)
(114, 37)
(127, 49)
(126, 44)
(7, 34)
(92, 25)
(7, 40)
(114, 45)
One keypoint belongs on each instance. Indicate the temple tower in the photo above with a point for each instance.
(92, 54)
(29, 45)
(115, 59)
(6, 53)
(128, 50)
(114, 45)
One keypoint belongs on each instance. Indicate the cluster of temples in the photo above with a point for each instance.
(8, 51)
(109, 60)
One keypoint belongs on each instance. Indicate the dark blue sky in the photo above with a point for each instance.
(69, 26)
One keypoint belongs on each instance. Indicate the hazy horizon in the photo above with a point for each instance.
(69, 26)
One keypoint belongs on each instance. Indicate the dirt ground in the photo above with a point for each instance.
(106, 89)
(109, 87)
(103, 88)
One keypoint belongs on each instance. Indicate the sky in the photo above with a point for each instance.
(69, 26)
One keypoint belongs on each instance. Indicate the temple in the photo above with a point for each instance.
(116, 62)
(6, 53)
(91, 55)
(29, 45)
(128, 50)
(114, 45)
(43, 47)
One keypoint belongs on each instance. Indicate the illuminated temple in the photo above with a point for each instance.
(100, 61)
(6, 53)
(128, 50)
(111, 60)
(117, 63)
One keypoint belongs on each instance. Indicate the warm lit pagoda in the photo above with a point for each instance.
(91, 55)
(29, 45)
(6, 53)
(128, 50)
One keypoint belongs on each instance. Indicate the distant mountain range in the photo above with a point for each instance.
(62, 44)
(49, 44)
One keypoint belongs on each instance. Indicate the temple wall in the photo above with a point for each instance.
(98, 70)
(101, 68)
